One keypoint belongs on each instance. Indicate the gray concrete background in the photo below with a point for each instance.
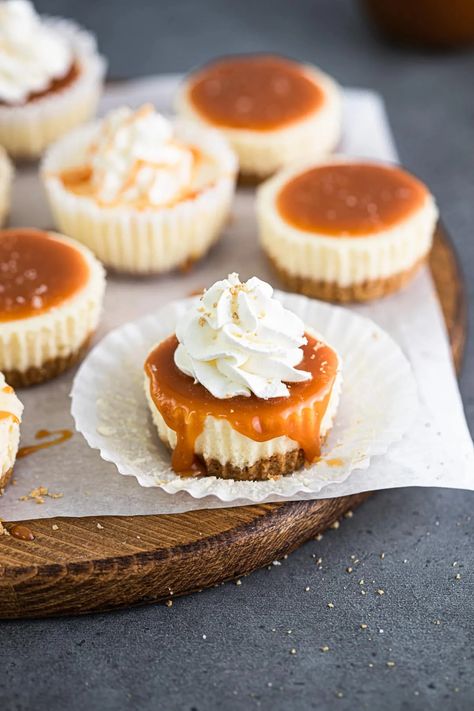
(157, 657)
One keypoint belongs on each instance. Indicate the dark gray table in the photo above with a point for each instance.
(230, 647)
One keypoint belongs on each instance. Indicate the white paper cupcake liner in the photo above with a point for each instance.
(261, 153)
(378, 404)
(6, 178)
(143, 241)
(25, 131)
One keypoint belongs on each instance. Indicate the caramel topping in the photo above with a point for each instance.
(37, 273)
(22, 532)
(80, 181)
(60, 437)
(350, 199)
(184, 404)
(55, 86)
(260, 92)
(9, 416)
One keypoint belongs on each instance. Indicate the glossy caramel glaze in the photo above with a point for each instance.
(37, 273)
(4, 415)
(350, 199)
(21, 532)
(184, 404)
(257, 92)
(54, 87)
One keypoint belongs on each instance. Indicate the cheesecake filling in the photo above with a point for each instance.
(37, 273)
(350, 199)
(246, 360)
(33, 56)
(255, 92)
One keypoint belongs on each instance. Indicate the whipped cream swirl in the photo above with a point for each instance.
(238, 340)
(135, 158)
(32, 52)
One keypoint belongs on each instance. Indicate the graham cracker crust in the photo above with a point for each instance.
(268, 468)
(50, 369)
(364, 291)
(5, 478)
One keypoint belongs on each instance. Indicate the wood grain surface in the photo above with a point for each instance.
(79, 565)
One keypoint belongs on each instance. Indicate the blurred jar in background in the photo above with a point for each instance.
(428, 23)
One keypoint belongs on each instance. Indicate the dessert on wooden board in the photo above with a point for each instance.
(51, 292)
(242, 389)
(346, 229)
(51, 78)
(11, 410)
(146, 194)
(273, 110)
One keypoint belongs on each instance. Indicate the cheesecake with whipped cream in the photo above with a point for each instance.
(51, 78)
(242, 389)
(272, 110)
(51, 293)
(11, 410)
(145, 194)
(346, 229)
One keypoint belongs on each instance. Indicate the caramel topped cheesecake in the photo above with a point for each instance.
(346, 230)
(51, 292)
(242, 390)
(11, 411)
(146, 195)
(273, 110)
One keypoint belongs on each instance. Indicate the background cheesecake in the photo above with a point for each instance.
(51, 292)
(11, 410)
(271, 109)
(346, 229)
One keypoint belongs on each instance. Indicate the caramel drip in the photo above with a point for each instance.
(184, 404)
(22, 532)
(55, 85)
(4, 415)
(259, 92)
(62, 436)
(349, 200)
(38, 273)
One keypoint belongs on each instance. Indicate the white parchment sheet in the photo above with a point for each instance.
(437, 451)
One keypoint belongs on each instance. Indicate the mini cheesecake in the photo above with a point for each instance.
(272, 110)
(242, 436)
(146, 195)
(11, 411)
(51, 292)
(346, 229)
(51, 78)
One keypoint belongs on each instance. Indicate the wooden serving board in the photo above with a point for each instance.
(79, 565)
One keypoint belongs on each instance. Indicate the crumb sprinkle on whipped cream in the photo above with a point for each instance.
(237, 339)
(32, 52)
(135, 156)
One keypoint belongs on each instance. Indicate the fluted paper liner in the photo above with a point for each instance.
(378, 404)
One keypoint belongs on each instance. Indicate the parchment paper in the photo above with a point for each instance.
(437, 452)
